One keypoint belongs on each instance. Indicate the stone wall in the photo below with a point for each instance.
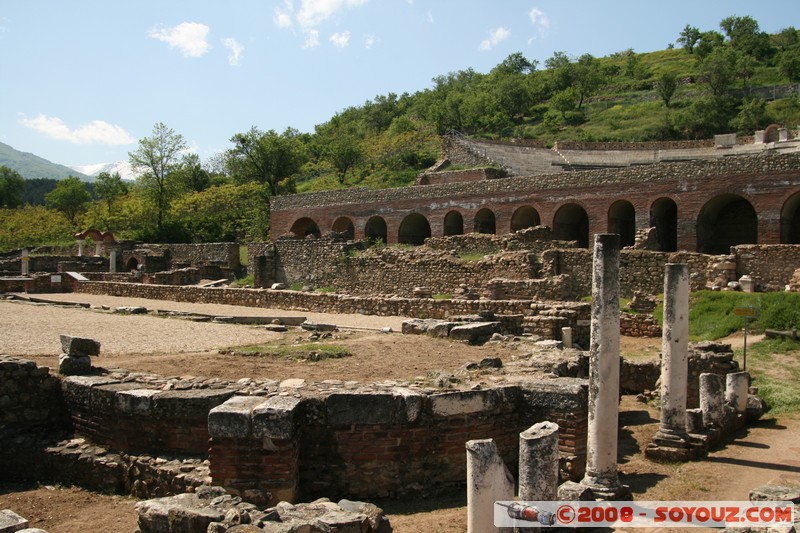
(459, 176)
(382, 442)
(129, 416)
(771, 267)
(225, 254)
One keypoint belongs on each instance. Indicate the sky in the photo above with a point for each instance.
(83, 80)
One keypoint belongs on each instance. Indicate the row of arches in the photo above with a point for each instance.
(724, 221)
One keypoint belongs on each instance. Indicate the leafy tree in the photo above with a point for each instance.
(225, 213)
(587, 77)
(689, 38)
(708, 42)
(786, 39)
(564, 101)
(33, 226)
(70, 197)
(192, 176)
(718, 70)
(517, 63)
(789, 64)
(36, 189)
(746, 37)
(344, 153)
(666, 85)
(108, 188)
(268, 158)
(12, 186)
(157, 158)
(752, 116)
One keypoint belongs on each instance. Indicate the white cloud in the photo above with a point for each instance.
(235, 49)
(497, 36)
(370, 41)
(283, 14)
(341, 40)
(540, 21)
(314, 12)
(188, 37)
(95, 132)
(430, 17)
(312, 39)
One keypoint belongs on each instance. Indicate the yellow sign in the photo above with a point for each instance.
(749, 312)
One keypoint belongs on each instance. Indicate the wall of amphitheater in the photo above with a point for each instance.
(705, 206)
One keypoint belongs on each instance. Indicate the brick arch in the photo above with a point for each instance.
(525, 217)
(664, 217)
(376, 229)
(485, 221)
(303, 227)
(414, 229)
(571, 223)
(790, 219)
(726, 220)
(453, 223)
(344, 225)
(622, 220)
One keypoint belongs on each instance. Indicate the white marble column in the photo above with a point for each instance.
(488, 481)
(80, 247)
(25, 260)
(601, 454)
(674, 357)
(538, 462)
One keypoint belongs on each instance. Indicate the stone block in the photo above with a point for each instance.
(11, 521)
(188, 405)
(346, 409)
(462, 402)
(69, 365)
(78, 346)
(134, 402)
(78, 389)
(412, 401)
(475, 331)
(276, 418)
(232, 418)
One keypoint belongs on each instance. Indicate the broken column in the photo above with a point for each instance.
(736, 387)
(712, 399)
(112, 261)
(674, 359)
(538, 462)
(75, 357)
(80, 247)
(566, 337)
(25, 262)
(488, 481)
(601, 454)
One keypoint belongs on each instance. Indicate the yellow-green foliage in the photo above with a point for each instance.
(33, 226)
(224, 213)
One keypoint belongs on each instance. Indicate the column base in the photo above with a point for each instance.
(607, 489)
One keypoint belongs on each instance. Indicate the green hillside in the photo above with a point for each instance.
(31, 166)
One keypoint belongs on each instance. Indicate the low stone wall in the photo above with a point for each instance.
(225, 254)
(382, 442)
(129, 416)
(459, 176)
(29, 396)
(638, 325)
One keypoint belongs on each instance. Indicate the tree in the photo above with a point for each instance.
(157, 158)
(344, 153)
(109, 187)
(192, 176)
(718, 70)
(689, 37)
(587, 77)
(708, 42)
(666, 85)
(789, 64)
(12, 186)
(752, 116)
(268, 158)
(746, 37)
(70, 197)
(516, 63)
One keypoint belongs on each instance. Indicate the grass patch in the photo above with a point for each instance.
(442, 296)
(312, 351)
(248, 280)
(471, 257)
(775, 367)
(327, 288)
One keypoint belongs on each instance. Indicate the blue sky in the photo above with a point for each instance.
(84, 80)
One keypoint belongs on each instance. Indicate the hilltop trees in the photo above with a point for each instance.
(70, 197)
(268, 158)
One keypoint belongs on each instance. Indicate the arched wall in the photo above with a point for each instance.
(669, 196)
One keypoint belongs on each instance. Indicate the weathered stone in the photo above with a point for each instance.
(131, 309)
(11, 521)
(276, 418)
(135, 402)
(488, 480)
(756, 407)
(232, 419)
(313, 326)
(570, 491)
(69, 365)
(461, 402)
(474, 332)
(78, 346)
(538, 462)
(345, 409)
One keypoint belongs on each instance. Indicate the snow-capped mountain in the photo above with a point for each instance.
(123, 167)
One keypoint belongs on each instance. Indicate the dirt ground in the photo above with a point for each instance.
(766, 451)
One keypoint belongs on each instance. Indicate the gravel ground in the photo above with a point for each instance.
(121, 334)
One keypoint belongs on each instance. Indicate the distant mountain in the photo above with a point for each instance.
(123, 167)
(32, 166)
